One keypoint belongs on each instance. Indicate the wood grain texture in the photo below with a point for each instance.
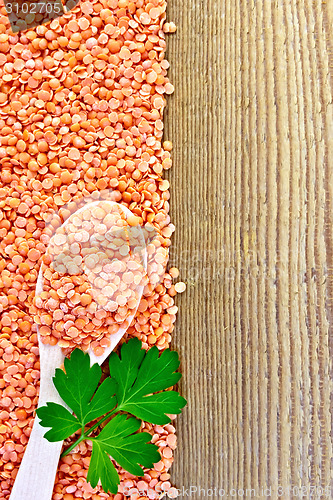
(252, 200)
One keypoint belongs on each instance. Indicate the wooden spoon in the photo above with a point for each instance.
(36, 475)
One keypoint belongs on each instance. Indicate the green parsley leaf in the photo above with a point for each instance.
(139, 373)
(101, 468)
(78, 384)
(63, 424)
(118, 440)
(125, 371)
(154, 408)
(103, 401)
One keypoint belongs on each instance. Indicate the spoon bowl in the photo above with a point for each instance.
(36, 475)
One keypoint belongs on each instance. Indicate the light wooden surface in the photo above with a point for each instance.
(252, 201)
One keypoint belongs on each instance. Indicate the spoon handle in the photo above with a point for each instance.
(36, 475)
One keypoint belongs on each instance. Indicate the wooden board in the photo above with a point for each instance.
(252, 200)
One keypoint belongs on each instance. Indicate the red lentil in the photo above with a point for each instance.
(180, 287)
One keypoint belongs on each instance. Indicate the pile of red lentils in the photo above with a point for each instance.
(81, 105)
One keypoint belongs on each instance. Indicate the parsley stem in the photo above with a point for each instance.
(72, 446)
(85, 435)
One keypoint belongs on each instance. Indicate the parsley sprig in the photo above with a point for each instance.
(135, 378)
